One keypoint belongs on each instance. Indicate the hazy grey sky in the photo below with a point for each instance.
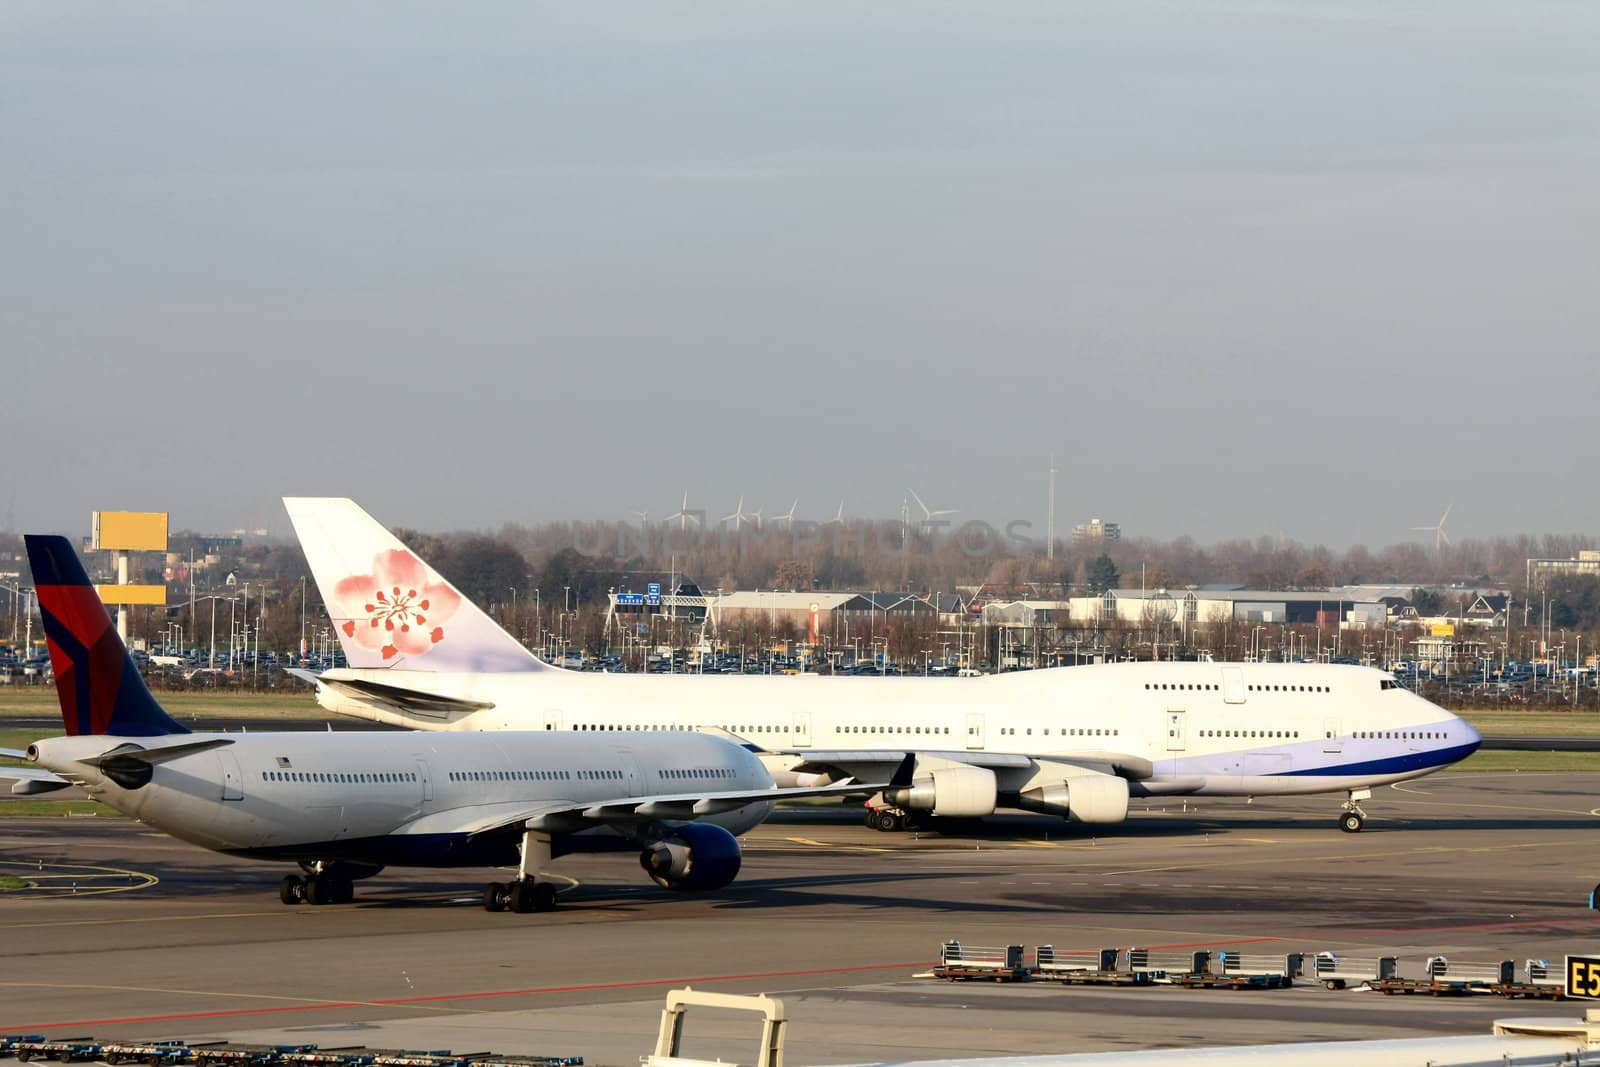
(1245, 267)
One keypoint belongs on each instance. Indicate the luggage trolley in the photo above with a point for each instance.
(1339, 972)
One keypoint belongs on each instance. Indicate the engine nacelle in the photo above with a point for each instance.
(697, 856)
(1094, 798)
(959, 792)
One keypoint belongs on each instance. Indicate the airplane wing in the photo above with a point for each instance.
(563, 816)
(398, 697)
(869, 763)
(26, 780)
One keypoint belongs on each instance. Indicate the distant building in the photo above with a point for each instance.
(1189, 607)
(1586, 562)
(1096, 530)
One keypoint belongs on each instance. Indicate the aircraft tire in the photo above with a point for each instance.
(292, 890)
(1351, 823)
(341, 891)
(519, 896)
(494, 897)
(544, 896)
(318, 892)
(887, 822)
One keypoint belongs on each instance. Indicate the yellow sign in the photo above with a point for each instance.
(130, 531)
(132, 594)
(1443, 629)
(1583, 977)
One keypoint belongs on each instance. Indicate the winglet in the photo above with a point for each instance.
(901, 779)
(97, 684)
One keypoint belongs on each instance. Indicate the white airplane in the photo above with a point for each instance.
(1072, 741)
(345, 805)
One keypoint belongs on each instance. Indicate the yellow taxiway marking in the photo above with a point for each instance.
(58, 872)
(816, 844)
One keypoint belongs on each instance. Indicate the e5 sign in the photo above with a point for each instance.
(1583, 977)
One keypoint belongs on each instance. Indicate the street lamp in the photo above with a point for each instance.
(513, 611)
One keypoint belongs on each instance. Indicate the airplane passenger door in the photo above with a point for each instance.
(425, 778)
(802, 729)
(975, 734)
(232, 780)
(1177, 730)
(1331, 739)
(553, 719)
(630, 770)
(1232, 685)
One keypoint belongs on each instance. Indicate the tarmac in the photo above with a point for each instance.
(124, 932)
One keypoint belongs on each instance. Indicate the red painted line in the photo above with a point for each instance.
(1588, 920)
(439, 997)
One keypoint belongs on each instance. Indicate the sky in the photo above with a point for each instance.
(1244, 268)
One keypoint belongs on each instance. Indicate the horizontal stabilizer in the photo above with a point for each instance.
(28, 780)
(403, 699)
(139, 754)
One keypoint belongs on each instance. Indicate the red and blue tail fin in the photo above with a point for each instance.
(99, 687)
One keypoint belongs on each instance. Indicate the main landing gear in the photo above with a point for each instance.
(520, 896)
(527, 893)
(315, 889)
(892, 820)
(1353, 818)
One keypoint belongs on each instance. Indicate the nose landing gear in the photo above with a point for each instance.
(1353, 818)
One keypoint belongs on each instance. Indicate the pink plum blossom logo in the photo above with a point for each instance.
(397, 609)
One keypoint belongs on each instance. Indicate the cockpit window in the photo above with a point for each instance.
(1389, 683)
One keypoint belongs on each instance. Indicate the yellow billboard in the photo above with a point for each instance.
(130, 531)
(132, 594)
(1443, 629)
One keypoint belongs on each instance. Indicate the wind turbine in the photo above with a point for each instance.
(684, 514)
(788, 516)
(838, 516)
(1440, 538)
(928, 515)
(738, 517)
(644, 517)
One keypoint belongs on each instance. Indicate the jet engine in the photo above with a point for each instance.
(1090, 798)
(959, 792)
(698, 856)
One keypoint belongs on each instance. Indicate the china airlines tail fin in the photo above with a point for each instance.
(388, 606)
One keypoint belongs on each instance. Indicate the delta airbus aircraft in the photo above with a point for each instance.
(1071, 741)
(345, 805)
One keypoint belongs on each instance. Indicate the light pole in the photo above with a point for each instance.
(513, 611)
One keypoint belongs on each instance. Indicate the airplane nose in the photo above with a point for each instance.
(1470, 733)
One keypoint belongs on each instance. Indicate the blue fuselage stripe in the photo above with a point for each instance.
(1409, 761)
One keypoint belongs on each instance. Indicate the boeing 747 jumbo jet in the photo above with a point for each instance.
(1072, 741)
(345, 805)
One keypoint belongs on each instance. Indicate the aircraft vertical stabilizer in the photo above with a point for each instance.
(389, 608)
(96, 681)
